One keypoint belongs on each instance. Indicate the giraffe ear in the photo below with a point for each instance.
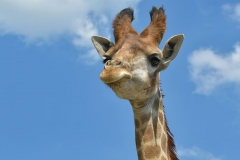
(171, 49)
(101, 44)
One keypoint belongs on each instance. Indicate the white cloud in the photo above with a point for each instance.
(196, 153)
(42, 20)
(86, 29)
(209, 70)
(232, 10)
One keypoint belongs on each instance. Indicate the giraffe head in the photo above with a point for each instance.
(133, 63)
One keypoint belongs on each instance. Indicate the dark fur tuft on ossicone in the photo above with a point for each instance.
(128, 11)
(157, 27)
(157, 10)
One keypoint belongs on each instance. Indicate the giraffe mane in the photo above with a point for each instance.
(171, 143)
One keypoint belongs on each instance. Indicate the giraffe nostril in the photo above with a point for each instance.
(118, 62)
(113, 63)
(108, 63)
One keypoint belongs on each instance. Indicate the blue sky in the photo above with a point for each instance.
(53, 105)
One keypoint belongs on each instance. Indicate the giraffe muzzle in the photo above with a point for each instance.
(115, 71)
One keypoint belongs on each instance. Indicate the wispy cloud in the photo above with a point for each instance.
(196, 153)
(42, 21)
(232, 10)
(208, 70)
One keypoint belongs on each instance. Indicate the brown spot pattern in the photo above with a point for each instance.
(152, 152)
(163, 158)
(145, 118)
(140, 155)
(138, 139)
(148, 134)
(137, 124)
(161, 117)
(159, 130)
(164, 143)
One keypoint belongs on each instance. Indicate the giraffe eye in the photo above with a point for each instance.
(154, 61)
(106, 59)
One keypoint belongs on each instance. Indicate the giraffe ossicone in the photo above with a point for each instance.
(131, 69)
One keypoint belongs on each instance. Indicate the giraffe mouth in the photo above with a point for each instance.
(115, 74)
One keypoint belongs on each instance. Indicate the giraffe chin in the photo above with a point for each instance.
(115, 75)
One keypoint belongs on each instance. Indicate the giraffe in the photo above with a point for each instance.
(132, 68)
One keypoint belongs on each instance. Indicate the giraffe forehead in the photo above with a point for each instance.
(133, 46)
(140, 46)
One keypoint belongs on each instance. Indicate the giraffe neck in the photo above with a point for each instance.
(153, 137)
